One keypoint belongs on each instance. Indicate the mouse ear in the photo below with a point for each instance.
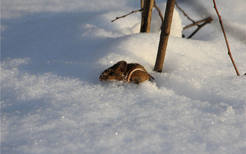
(120, 66)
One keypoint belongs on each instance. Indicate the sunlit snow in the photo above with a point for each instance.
(53, 51)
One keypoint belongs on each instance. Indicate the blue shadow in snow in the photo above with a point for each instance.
(54, 43)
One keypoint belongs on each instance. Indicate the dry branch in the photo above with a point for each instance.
(195, 31)
(165, 32)
(196, 23)
(142, 3)
(185, 14)
(134, 11)
(159, 12)
(226, 40)
(141, 10)
(205, 22)
(146, 16)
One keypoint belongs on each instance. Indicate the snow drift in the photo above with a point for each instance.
(52, 53)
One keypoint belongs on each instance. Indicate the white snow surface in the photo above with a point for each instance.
(52, 52)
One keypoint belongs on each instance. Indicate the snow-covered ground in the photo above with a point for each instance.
(52, 52)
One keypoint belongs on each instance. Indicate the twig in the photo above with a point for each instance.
(227, 44)
(185, 14)
(139, 10)
(159, 12)
(206, 20)
(198, 28)
(142, 3)
(194, 23)
(134, 11)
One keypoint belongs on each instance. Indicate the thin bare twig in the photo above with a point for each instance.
(159, 12)
(140, 10)
(206, 20)
(185, 14)
(194, 23)
(199, 24)
(198, 28)
(227, 43)
(134, 11)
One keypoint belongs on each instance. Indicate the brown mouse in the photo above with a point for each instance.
(121, 71)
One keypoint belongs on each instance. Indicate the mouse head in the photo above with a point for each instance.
(116, 72)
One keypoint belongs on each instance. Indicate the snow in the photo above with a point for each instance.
(52, 53)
